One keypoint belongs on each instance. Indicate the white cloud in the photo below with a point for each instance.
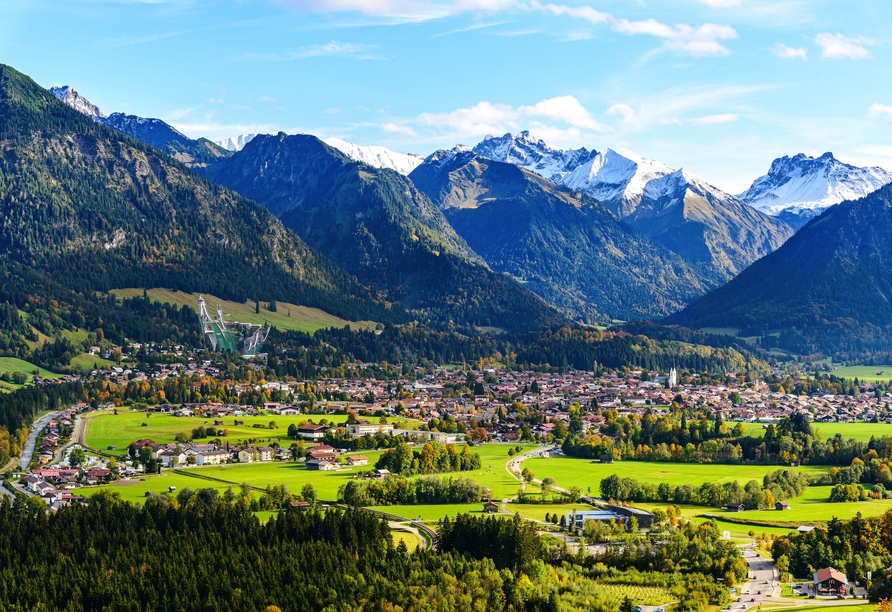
(218, 131)
(563, 120)
(330, 49)
(625, 110)
(579, 12)
(409, 10)
(878, 110)
(699, 41)
(401, 130)
(790, 52)
(564, 108)
(841, 46)
(715, 119)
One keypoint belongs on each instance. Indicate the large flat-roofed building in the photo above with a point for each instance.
(645, 518)
(611, 513)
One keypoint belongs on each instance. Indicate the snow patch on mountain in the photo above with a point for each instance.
(379, 157)
(531, 153)
(76, 101)
(235, 143)
(614, 178)
(803, 185)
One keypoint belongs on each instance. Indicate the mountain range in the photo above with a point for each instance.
(154, 132)
(380, 227)
(97, 210)
(472, 236)
(797, 189)
(565, 246)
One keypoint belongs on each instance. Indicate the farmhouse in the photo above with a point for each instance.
(322, 464)
(357, 460)
(490, 507)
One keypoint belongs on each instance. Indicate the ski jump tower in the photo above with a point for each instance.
(252, 336)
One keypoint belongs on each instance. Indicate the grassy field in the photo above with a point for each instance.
(125, 427)
(431, 513)
(295, 475)
(287, 316)
(13, 364)
(876, 373)
(858, 431)
(588, 474)
(135, 491)
(89, 362)
(412, 541)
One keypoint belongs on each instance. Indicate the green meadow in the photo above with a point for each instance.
(880, 373)
(295, 475)
(858, 431)
(14, 364)
(587, 475)
(127, 426)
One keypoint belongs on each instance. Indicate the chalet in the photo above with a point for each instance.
(322, 464)
(781, 505)
(490, 507)
(299, 505)
(357, 460)
(381, 473)
(321, 455)
(735, 507)
(830, 581)
(311, 432)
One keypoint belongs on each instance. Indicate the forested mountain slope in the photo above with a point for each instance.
(565, 246)
(828, 288)
(96, 210)
(380, 227)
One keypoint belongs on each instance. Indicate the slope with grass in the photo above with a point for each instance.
(287, 316)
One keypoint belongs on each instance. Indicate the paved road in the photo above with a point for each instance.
(764, 581)
(31, 442)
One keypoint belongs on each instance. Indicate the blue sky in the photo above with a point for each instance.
(720, 87)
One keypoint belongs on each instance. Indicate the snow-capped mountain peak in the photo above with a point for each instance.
(76, 101)
(235, 143)
(457, 156)
(803, 186)
(379, 157)
(533, 154)
(616, 179)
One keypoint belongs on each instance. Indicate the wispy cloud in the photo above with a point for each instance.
(562, 120)
(790, 52)
(331, 49)
(624, 110)
(840, 46)
(699, 41)
(400, 130)
(400, 10)
(715, 119)
(881, 110)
